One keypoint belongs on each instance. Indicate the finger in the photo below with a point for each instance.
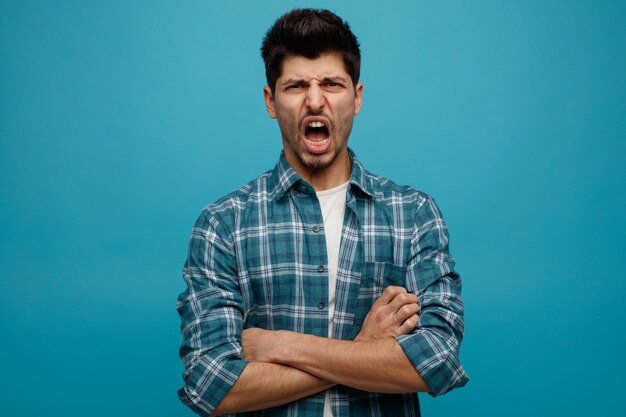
(390, 293)
(401, 299)
(408, 325)
(405, 312)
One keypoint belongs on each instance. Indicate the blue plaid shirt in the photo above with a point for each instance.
(257, 258)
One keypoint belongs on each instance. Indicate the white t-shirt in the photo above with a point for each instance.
(333, 205)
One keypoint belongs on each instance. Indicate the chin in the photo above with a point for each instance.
(318, 161)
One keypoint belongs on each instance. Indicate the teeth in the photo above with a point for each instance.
(316, 124)
(318, 143)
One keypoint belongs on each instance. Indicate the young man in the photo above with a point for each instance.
(305, 284)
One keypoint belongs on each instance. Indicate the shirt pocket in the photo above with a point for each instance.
(376, 276)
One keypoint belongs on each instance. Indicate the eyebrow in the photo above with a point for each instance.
(337, 79)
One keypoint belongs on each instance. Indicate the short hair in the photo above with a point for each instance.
(309, 33)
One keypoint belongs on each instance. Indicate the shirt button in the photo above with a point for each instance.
(320, 268)
(320, 306)
(316, 228)
(303, 188)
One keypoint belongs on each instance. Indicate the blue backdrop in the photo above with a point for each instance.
(120, 120)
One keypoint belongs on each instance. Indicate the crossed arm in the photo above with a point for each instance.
(258, 369)
(285, 366)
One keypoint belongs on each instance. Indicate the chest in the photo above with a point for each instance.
(283, 266)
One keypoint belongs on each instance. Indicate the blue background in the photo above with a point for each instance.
(120, 120)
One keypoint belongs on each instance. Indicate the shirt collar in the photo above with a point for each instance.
(285, 177)
(360, 177)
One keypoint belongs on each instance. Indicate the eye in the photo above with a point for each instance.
(333, 85)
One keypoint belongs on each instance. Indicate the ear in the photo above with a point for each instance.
(358, 98)
(269, 102)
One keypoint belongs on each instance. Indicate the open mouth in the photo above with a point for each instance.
(316, 134)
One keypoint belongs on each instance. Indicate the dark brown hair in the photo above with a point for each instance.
(309, 33)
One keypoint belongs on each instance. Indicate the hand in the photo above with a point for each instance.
(393, 314)
(261, 345)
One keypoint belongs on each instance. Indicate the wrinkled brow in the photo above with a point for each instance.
(326, 80)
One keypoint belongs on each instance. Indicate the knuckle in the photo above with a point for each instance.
(394, 289)
(404, 298)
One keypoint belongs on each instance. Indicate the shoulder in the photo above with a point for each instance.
(226, 209)
(391, 193)
(404, 203)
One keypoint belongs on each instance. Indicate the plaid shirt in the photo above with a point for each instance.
(257, 258)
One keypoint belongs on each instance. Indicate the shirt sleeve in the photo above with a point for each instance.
(211, 318)
(433, 346)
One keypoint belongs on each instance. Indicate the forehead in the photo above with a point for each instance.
(325, 66)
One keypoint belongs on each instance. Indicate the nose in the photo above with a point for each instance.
(315, 99)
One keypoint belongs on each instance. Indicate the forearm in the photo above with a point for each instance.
(264, 385)
(374, 365)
